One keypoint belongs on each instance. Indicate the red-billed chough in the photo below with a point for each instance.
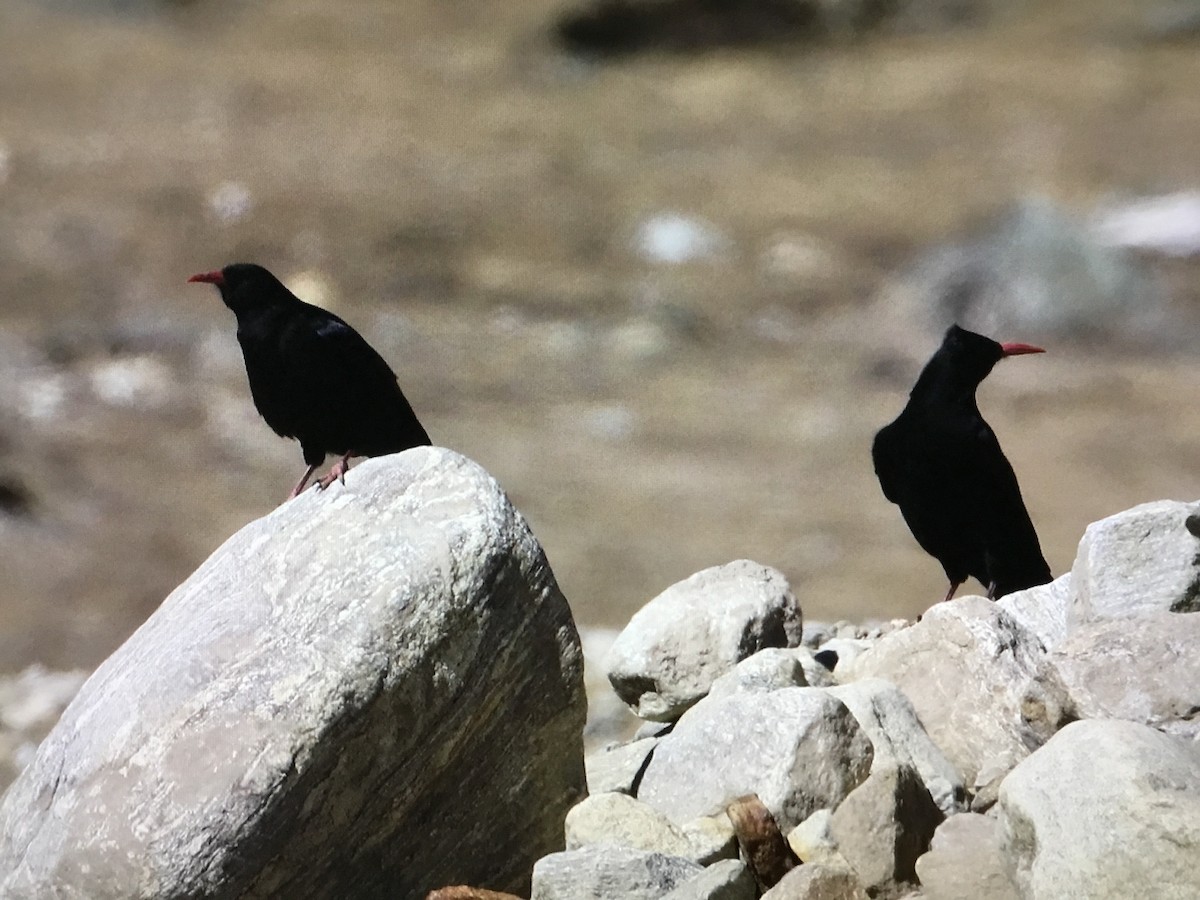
(941, 464)
(312, 376)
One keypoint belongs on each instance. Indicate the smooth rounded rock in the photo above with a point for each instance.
(679, 643)
(798, 749)
(374, 691)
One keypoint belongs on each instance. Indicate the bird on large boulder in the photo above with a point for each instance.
(940, 462)
(312, 376)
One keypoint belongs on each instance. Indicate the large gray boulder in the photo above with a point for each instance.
(1106, 810)
(1144, 670)
(797, 748)
(1137, 561)
(676, 645)
(371, 692)
(964, 666)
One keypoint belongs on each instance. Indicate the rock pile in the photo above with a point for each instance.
(1040, 747)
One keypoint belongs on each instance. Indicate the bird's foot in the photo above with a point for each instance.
(954, 586)
(336, 473)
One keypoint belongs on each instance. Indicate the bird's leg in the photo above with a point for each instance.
(954, 585)
(302, 482)
(337, 472)
(991, 594)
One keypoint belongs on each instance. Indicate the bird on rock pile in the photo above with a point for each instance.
(940, 462)
(312, 376)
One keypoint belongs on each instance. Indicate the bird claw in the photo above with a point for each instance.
(337, 473)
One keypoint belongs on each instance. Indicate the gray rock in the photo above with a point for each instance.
(1042, 609)
(335, 683)
(1037, 270)
(798, 749)
(817, 881)
(766, 670)
(622, 821)
(1139, 560)
(672, 239)
(1106, 810)
(603, 871)
(964, 666)
(1144, 670)
(728, 879)
(812, 840)
(618, 768)
(884, 825)
(697, 630)
(711, 838)
(964, 861)
(899, 739)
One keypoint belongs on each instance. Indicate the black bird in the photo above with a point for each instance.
(312, 376)
(941, 464)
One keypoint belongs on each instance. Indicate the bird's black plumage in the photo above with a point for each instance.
(940, 462)
(312, 376)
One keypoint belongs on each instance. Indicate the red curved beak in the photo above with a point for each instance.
(1010, 349)
(214, 277)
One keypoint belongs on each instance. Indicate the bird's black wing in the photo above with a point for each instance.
(1014, 555)
(352, 401)
(925, 466)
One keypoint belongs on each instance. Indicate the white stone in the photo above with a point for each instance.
(603, 871)
(1107, 810)
(622, 821)
(964, 861)
(1138, 561)
(697, 630)
(766, 670)
(884, 825)
(1042, 609)
(899, 739)
(818, 881)
(964, 666)
(728, 879)
(1144, 670)
(798, 749)
(673, 239)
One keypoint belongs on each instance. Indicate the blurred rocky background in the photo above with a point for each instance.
(662, 267)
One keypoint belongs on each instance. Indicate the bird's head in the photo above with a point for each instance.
(965, 359)
(244, 286)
